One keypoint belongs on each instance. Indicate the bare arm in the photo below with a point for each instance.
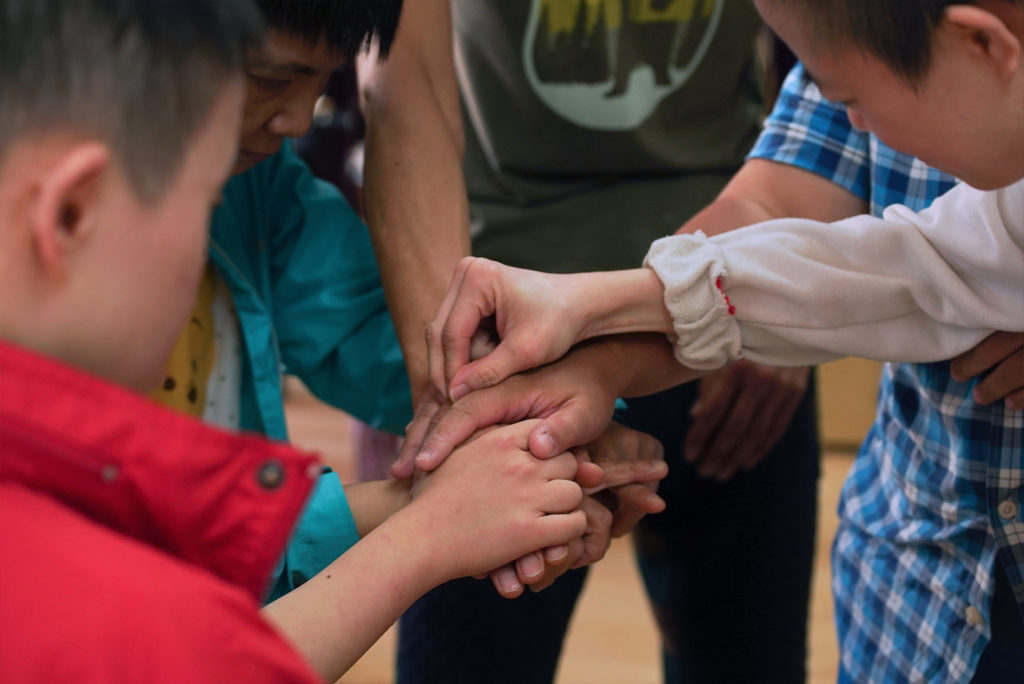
(491, 502)
(414, 191)
(763, 190)
(374, 502)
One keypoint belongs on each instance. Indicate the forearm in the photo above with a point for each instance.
(618, 302)
(763, 190)
(414, 194)
(374, 502)
(633, 301)
(337, 615)
(418, 239)
(630, 365)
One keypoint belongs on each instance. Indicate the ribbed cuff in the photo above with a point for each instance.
(707, 335)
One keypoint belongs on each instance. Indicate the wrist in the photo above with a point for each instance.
(423, 556)
(631, 301)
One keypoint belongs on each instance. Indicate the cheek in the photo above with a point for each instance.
(254, 117)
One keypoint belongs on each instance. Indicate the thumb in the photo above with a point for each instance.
(570, 425)
(485, 372)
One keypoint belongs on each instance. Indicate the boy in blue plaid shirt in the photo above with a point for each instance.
(928, 561)
(923, 412)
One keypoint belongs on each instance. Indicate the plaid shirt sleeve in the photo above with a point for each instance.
(807, 131)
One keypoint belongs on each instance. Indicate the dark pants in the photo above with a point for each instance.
(1002, 661)
(727, 567)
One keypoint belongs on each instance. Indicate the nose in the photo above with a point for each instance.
(295, 119)
(856, 120)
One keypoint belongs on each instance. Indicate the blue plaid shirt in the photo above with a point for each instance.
(934, 496)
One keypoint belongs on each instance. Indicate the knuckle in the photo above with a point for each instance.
(488, 374)
(479, 270)
(432, 333)
(530, 350)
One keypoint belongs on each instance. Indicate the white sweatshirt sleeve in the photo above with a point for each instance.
(908, 286)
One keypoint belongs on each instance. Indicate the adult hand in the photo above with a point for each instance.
(430, 405)
(633, 463)
(1002, 353)
(743, 410)
(574, 402)
(530, 313)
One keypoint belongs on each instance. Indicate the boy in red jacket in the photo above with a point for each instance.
(135, 543)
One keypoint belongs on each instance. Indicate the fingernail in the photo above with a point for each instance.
(423, 457)
(554, 554)
(460, 391)
(508, 580)
(546, 441)
(531, 565)
(1012, 404)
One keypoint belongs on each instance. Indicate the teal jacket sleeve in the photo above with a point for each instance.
(333, 326)
(325, 530)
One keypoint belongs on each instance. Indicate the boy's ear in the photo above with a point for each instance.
(65, 208)
(987, 34)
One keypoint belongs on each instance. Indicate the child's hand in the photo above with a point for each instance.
(533, 315)
(492, 502)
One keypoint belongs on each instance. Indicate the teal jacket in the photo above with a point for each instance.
(305, 284)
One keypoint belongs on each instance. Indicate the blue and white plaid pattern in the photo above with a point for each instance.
(935, 493)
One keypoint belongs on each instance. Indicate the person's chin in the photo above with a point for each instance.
(247, 159)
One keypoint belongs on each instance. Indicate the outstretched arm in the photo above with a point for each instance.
(574, 397)
(491, 502)
(905, 287)
(414, 192)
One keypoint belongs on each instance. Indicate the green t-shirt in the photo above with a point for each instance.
(594, 127)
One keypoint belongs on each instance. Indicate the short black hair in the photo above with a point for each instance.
(140, 76)
(348, 26)
(900, 33)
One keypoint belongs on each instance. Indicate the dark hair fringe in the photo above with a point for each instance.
(348, 26)
(898, 32)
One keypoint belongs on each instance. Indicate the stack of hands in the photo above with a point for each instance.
(509, 345)
(478, 382)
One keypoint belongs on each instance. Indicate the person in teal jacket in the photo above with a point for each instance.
(293, 286)
(293, 283)
(304, 282)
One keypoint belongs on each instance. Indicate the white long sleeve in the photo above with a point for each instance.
(912, 287)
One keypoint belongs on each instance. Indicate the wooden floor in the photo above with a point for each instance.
(612, 639)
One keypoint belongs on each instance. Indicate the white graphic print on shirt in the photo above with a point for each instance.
(606, 64)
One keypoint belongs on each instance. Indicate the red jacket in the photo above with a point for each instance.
(135, 543)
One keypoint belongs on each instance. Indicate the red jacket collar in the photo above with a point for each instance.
(221, 501)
